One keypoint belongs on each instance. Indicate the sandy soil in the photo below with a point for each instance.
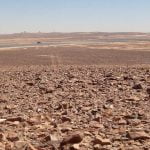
(72, 56)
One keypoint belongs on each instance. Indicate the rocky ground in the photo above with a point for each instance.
(75, 108)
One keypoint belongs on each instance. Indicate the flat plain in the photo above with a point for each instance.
(75, 49)
(75, 91)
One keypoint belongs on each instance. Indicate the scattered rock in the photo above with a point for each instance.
(12, 137)
(137, 86)
(20, 145)
(97, 147)
(133, 98)
(95, 124)
(2, 137)
(47, 113)
(148, 90)
(99, 140)
(75, 147)
(134, 122)
(54, 138)
(138, 135)
(13, 119)
(2, 120)
(122, 122)
(72, 139)
(65, 118)
(2, 146)
(66, 129)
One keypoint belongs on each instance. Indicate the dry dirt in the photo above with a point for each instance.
(72, 56)
(75, 98)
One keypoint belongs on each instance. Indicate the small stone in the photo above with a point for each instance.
(2, 146)
(95, 124)
(97, 147)
(47, 138)
(9, 146)
(75, 147)
(30, 83)
(19, 145)
(137, 86)
(2, 120)
(49, 90)
(148, 90)
(72, 139)
(99, 140)
(133, 98)
(122, 122)
(54, 138)
(138, 135)
(134, 122)
(39, 110)
(12, 137)
(33, 121)
(97, 118)
(1, 137)
(65, 118)
(86, 133)
(15, 123)
(107, 106)
(65, 129)
(13, 119)
(65, 105)
(3, 99)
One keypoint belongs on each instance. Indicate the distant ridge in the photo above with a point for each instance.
(55, 34)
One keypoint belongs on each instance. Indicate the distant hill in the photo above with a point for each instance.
(76, 35)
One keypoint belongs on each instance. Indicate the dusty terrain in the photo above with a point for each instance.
(77, 95)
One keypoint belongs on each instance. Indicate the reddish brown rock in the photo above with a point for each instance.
(12, 137)
(137, 86)
(2, 146)
(72, 139)
(138, 135)
(99, 140)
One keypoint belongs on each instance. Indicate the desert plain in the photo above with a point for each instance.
(75, 91)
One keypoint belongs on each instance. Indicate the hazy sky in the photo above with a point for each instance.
(74, 15)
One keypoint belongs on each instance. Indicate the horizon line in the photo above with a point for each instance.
(26, 32)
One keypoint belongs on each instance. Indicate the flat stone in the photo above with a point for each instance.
(75, 147)
(2, 120)
(122, 122)
(65, 118)
(72, 139)
(65, 129)
(133, 98)
(19, 145)
(95, 124)
(138, 135)
(99, 140)
(13, 119)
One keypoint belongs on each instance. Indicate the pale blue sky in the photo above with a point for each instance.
(74, 15)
